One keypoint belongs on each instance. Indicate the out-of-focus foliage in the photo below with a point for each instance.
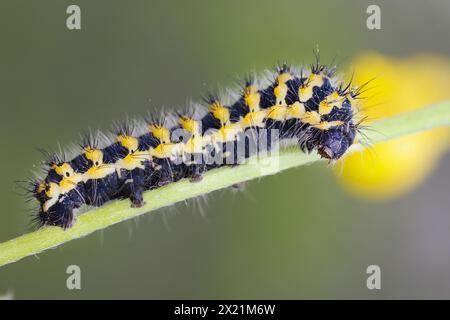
(393, 168)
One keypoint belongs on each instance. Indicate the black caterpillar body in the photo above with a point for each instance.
(310, 108)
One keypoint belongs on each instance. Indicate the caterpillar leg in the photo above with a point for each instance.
(134, 187)
(136, 198)
(136, 194)
(164, 173)
(195, 173)
(195, 167)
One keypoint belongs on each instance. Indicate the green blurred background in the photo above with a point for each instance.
(296, 235)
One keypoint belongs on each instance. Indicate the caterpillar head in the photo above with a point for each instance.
(48, 191)
(57, 196)
(335, 141)
(47, 194)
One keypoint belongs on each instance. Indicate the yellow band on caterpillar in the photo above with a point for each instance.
(252, 98)
(220, 112)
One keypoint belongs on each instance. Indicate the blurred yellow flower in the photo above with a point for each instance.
(393, 168)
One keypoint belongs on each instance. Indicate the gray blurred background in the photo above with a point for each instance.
(134, 56)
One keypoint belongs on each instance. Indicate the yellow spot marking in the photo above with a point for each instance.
(53, 193)
(295, 111)
(132, 161)
(94, 155)
(252, 98)
(220, 112)
(194, 145)
(68, 184)
(335, 96)
(226, 133)
(189, 124)
(311, 117)
(333, 100)
(128, 142)
(281, 112)
(305, 92)
(325, 107)
(98, 172)
(325, 125)
(315, 80)
(284, 77)
(41, 187)
(53, 190)
(70, 178)
(63, 170)
(280, 92)
(160, 132)
(167, 150)
(277, 112)
(254, 119)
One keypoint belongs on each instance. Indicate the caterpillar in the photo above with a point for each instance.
(309, 107)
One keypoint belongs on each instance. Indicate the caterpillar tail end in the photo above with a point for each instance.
(59, 216)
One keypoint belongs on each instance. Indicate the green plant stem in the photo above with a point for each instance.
(117, 211)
